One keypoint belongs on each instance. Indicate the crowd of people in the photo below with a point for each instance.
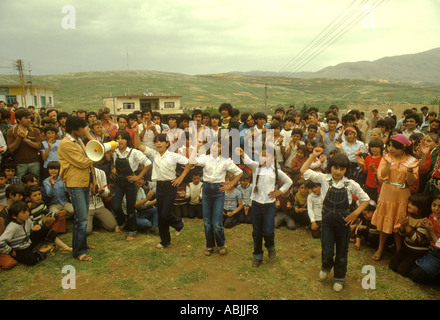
(348, 179)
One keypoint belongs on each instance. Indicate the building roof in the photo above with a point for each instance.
(143, 96)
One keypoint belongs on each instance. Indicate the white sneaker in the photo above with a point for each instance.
(322, 275)
(160, 246)
(337, 287)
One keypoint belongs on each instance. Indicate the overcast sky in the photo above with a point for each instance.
(210, 36)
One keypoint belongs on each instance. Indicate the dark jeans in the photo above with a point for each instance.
(147, 218)
(404, 260)
(28, 256)
(124, 187)
(165, 195)
(335, 232)
(263, 227)
(80, 198)
(212, 203)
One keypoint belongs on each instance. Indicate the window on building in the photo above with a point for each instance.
(50, 100)
(43, 101)
(10, 99)
(128, 105)
(169, 105)
(35, 101)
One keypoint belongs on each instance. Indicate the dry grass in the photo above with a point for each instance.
(139, 271)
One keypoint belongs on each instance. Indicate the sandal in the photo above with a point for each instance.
(68, 249)
(222, 251)
(84, 257)
(89, 246)
(208, 252)
(130, 238)
(376, 256)
(48, 248)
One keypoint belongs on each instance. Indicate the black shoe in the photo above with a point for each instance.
(41, 255)
(256, 263)
(272, 253)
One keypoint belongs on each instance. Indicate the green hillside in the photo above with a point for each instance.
(86, 90)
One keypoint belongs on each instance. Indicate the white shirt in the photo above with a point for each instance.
(148, 138)
(350, 149)
(214, 169)
(287, 134)
(266, 181)
(101, 180)
(314, 207)
(136, 158)
(353, 187)
(293, 151)
(164, 166)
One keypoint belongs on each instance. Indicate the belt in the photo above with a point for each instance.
(400, 185)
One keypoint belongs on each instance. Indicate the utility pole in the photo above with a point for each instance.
(265, 95)
(19, 66)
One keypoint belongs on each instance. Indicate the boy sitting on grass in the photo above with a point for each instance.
(56, 190)
(40, 214)
(21, 237)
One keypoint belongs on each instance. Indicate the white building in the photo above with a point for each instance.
(35, 95)
(165, 105)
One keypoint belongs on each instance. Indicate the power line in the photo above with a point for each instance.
(304, 56)
(300, 54)
(333, 39)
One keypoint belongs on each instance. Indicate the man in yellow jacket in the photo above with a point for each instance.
(76, 173)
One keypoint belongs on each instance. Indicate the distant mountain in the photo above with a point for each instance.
(420, 68)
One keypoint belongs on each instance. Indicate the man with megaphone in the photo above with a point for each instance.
(77, 174)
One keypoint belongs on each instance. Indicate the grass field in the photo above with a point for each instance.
(86, 90)
(140, 271)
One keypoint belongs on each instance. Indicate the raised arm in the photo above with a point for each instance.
(316, 153)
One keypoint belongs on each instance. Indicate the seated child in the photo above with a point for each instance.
(194, 194)
(40, 214)
(246, 188)
(56, 190)
(365, 231)
(3, 186)
(10, 169)
(147, 216)
(180, 203)
(21, 237)
(97, 209)
(6, 261)
(31, 179)
(233, 204)
(14, 192)
(415, 238)
(284, 213)
(49, 148)
(298, 161)
(314, 208)
(426, 270)
(300, 214)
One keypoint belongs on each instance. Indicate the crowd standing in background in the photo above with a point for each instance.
(350, 179)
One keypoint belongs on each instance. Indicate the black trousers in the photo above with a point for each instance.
(165, 195)
(28, 256)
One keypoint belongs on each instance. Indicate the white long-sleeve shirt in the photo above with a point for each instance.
(136, 157)
(164, 167)
(267, 181)
(194, 191)
(215, 168)
(353, 188)
(314, 207)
